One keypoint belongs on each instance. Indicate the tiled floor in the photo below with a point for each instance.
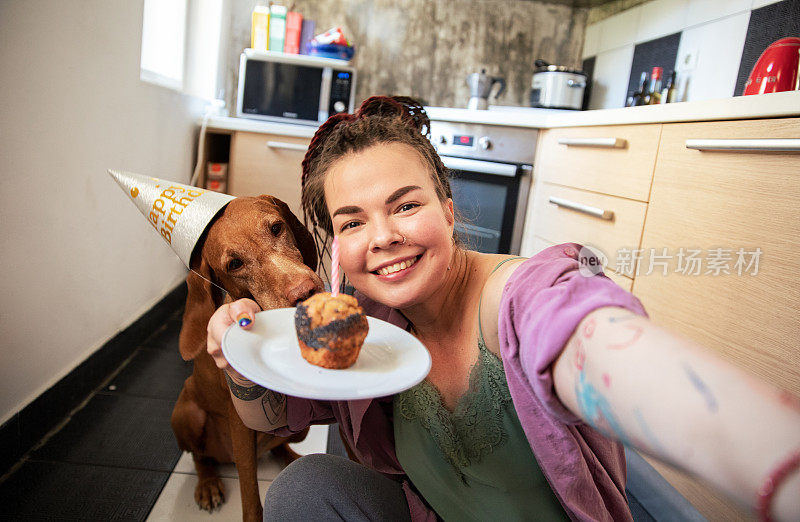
(176, 501)
(116, 458)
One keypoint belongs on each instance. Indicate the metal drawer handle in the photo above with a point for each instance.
(580, 207)
(766, 145)
(608, 143)
(287, 146)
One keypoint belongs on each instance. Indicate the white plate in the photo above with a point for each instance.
(391, 360)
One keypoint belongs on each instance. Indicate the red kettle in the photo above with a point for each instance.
(776, 69)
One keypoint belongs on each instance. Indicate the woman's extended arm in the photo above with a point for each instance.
(260, 409)
(673, 399)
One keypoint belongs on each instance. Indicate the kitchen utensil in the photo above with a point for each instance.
(776, 69)
(557, 87)
(480, 87)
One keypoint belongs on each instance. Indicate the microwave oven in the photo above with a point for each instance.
(293, 88)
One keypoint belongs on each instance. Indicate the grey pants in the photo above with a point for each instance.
(329, 487)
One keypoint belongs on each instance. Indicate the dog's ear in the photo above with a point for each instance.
(202, 300)
(303, 238)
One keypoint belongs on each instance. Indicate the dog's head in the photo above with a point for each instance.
(255, 248)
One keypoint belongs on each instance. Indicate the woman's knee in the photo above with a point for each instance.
(300, 483)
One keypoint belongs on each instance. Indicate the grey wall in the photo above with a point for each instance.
(426, 48)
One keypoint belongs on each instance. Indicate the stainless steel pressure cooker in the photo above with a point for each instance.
(557, 87)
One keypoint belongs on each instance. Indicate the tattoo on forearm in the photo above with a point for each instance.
(697, 382)
(588, 328)
(637, 333)
(274, 404)
(245, 393)
(597, 410)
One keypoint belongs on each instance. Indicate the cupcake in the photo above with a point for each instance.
(330, 330)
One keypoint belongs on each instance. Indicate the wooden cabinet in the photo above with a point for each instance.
(736, 213)
(592, 185)
(738, 209)
(267, 164)
(717, 202)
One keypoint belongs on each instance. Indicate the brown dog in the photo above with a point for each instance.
(255, 248)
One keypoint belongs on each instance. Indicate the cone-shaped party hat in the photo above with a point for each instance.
(179, 213)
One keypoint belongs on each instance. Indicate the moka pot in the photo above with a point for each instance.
(480, 88)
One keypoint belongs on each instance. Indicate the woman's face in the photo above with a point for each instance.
(375, 198)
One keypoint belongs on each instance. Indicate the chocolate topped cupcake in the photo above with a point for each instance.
(330, 330)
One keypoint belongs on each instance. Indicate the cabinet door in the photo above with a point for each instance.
(727, 200)
(267, 164)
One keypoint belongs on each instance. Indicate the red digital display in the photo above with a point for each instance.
(463, 140)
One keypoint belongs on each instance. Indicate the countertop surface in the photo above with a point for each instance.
(775, 105)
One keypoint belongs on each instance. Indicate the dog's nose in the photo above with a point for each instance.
(302, 291)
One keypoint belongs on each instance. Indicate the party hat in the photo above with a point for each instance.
(179, 213)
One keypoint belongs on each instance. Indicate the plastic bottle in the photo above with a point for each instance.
(259, 33)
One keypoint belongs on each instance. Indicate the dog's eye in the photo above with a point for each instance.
(276, 228)
(234, 264)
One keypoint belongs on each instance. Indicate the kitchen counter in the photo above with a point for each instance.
(740, 107)
(736, 108)
(226, 123)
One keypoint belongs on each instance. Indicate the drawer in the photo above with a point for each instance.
(582, 157)
(560, 224)
(267, 164)
(537, 244)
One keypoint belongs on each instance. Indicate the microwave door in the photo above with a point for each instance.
(282, 90)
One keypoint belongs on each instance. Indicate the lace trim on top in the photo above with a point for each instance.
(475, 427)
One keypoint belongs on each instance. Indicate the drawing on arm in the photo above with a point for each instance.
(245, 393)
(699, 385)
(274, 405)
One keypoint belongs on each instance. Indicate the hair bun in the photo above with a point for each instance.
(409, 109)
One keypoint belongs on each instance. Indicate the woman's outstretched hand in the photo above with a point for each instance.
(242, 312)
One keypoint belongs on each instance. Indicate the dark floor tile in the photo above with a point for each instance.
(152, 373)
(68, 491)
(11, 448)
(117, 430)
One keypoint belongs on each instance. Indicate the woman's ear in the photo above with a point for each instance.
(449, 212)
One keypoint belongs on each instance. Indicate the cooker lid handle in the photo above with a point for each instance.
(502, 83)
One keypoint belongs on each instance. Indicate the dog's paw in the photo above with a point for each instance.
(209, 494)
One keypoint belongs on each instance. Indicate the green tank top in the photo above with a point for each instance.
(474, 463)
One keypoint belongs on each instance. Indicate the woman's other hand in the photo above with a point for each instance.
(242, 312)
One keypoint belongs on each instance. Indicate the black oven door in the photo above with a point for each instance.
(282, 90)
(486, 196)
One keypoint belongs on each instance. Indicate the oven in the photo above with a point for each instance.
(491, 178)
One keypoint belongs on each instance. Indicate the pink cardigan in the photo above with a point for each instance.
(542, 303)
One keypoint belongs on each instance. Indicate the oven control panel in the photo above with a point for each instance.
(486, 142)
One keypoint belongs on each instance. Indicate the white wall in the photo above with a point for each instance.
(79, 261)
(708, 56)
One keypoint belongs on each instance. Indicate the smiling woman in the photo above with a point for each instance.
(539, 371)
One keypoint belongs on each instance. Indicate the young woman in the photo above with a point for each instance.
(538, 373)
